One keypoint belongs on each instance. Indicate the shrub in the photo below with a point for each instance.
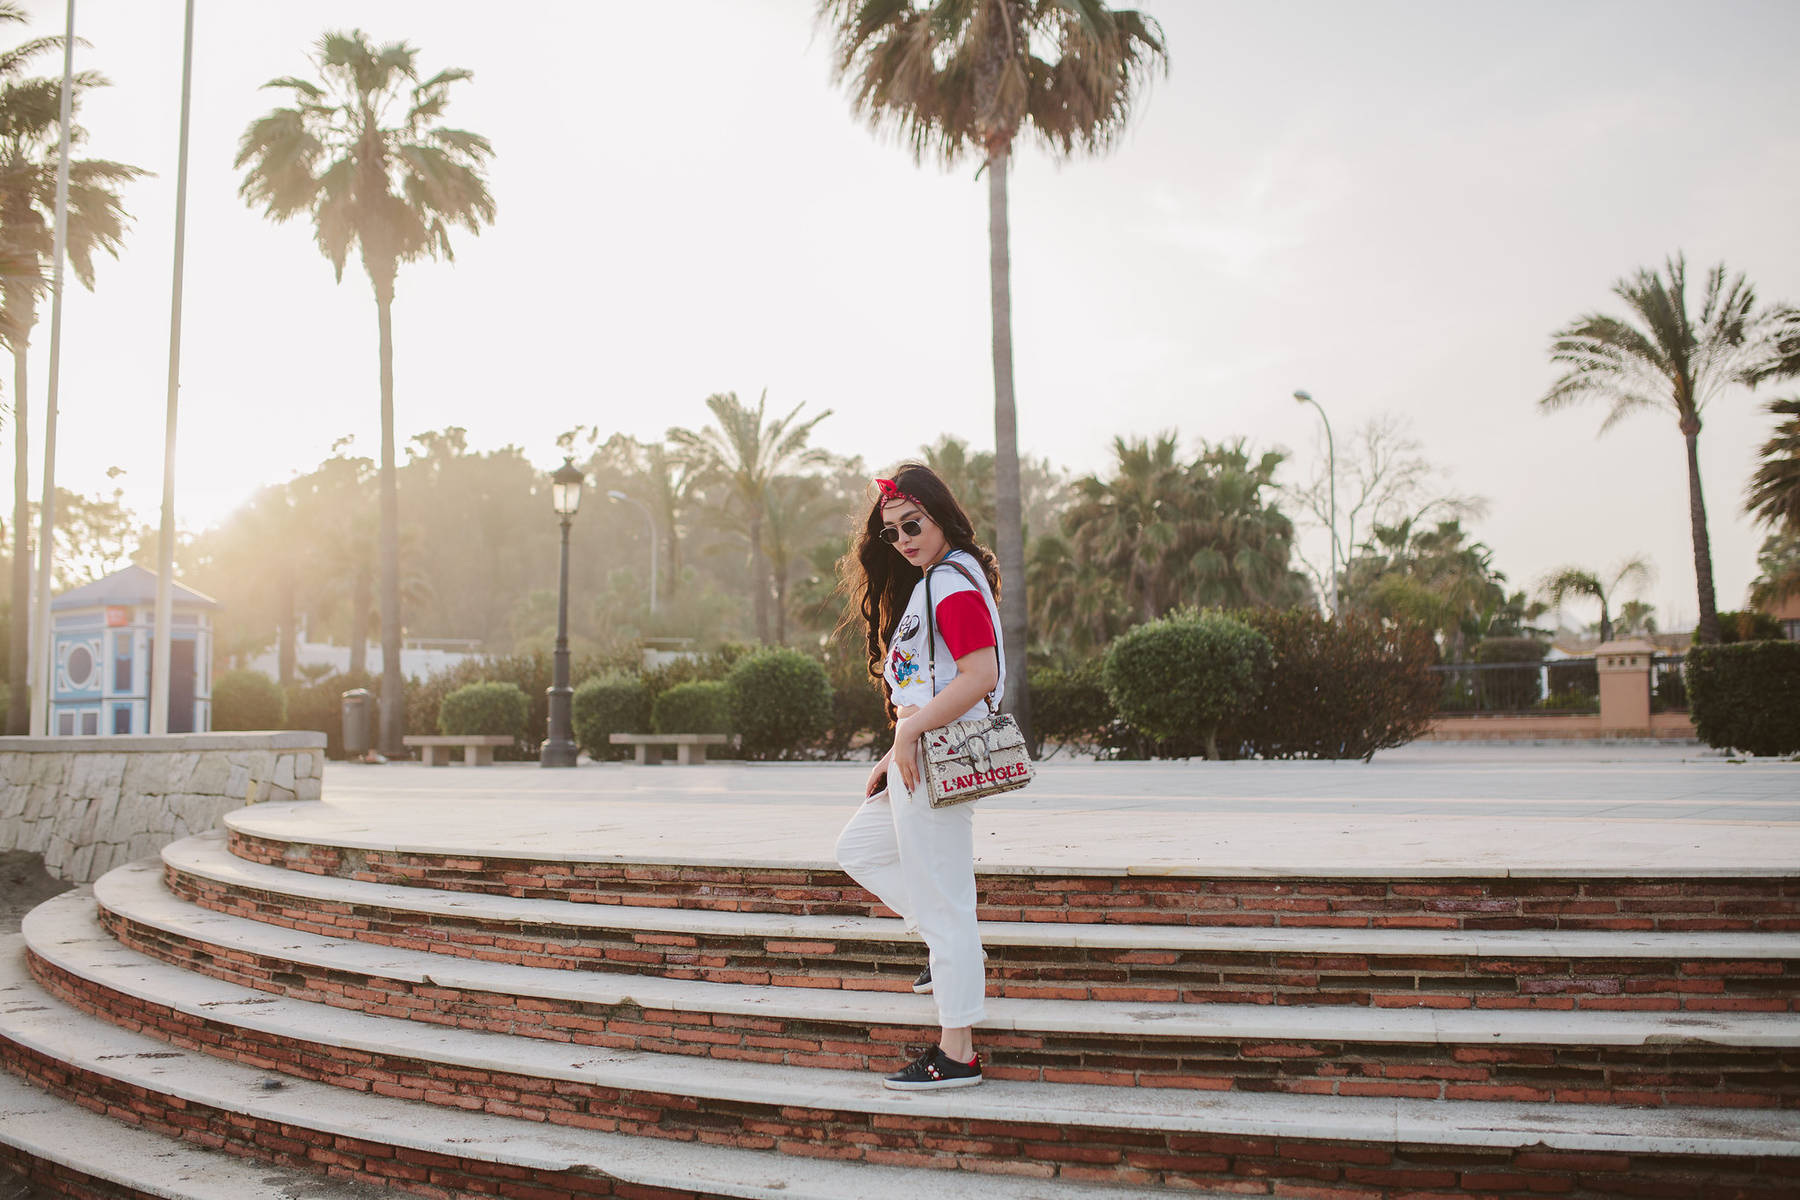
(247, 700)
(1576, 677)
(780, 702)
(530, 673)
(857, 701)
(1069, 706)
(701, 707)
(1746, 626)
(1509, 689)
(1341, 688)
(1186, 674)
(609, 704)
(488, 707)
(1746, 696)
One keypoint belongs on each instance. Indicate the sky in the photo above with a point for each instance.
(1392, 205)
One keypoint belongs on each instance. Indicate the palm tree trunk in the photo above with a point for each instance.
(393, 698)
(759, 579)
(359, 621)
(284, 651)
(18, 704)
(781, 607)
(1703, 576)
(1008, 510)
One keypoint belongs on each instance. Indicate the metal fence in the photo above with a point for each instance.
(1569, 685)
(1565, 685)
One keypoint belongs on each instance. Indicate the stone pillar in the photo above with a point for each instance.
(1625, 669)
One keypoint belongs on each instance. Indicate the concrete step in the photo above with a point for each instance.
(1698, 971)
(1746, 1059)
(169, 1102)
(1138, 1138)
(1158, 894)
(58, 1146)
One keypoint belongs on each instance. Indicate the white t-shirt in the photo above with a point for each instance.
(967, 620)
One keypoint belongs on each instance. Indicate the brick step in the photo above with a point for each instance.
(1765, 903)
(1579, 969)
(166, 1102)
(57, 1146)
(1725, 1060)
(1149, 1140)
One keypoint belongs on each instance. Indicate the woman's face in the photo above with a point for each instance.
(926, 546)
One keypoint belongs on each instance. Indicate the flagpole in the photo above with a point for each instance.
(42, 672)
(165, 542)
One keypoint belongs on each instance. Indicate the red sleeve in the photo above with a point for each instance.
(963, 623)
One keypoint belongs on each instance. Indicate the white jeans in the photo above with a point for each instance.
(920, 862)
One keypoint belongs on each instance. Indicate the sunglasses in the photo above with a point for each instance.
(891, 533)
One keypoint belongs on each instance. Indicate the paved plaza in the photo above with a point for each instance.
(1428, 809)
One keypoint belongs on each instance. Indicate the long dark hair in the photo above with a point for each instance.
(878, 582)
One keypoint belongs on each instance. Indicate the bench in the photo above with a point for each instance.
(690, 748)
(477, 748)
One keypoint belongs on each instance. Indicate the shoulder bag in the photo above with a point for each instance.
(966, 760)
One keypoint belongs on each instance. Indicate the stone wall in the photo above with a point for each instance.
(89, 804)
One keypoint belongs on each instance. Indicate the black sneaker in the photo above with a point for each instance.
(923, 982)
(935, 1069)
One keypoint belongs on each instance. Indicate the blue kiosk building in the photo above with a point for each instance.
(103, 636)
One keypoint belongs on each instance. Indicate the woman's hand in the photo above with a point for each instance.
(906, 751)
(878, 777)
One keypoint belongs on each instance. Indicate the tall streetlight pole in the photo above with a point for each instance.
(651, 521)
(165, 548)
(43, 670)
(559, 748)
(1305, 397)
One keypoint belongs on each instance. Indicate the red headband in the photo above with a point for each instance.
(890, 491)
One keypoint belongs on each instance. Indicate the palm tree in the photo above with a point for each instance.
(1778, 569)
(1243, 548)
(967, 77)
(1564, 582)
(393, 191)
(1661, 356)
(1774, 492)
(745, 452)
(1637, 618)
(1132, 524)
(30, 140)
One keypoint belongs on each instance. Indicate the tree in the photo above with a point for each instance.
(968, 77)
(1563, 582)
(1382, 479)
(1129, 524)
(1774, 492)
(1662, 356)
(1778, 568)
(1435, 577)
(30, 139)
(391, 190)
(1637, 618)
(744, 451)
(1243, 546)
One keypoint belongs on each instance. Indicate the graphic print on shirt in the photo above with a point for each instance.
(909, 625)
(904, 664)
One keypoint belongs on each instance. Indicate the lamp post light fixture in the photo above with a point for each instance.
(622, 498)
(1305, 397)
(559, 748)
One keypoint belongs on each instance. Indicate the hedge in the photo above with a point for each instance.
(247, 700)
(1341, 688)
(781, 702)
(699, 707)
(609, 704)
(1746, 695)
(1186, 674)
(488, 707)
(1746, 626)
(1069, 706)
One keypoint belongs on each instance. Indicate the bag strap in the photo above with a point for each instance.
(931, 631)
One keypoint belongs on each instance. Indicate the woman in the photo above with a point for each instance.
(920, 860)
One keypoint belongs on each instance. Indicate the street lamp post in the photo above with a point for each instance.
(559, 748)
(651, 521)
(1305, 397)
